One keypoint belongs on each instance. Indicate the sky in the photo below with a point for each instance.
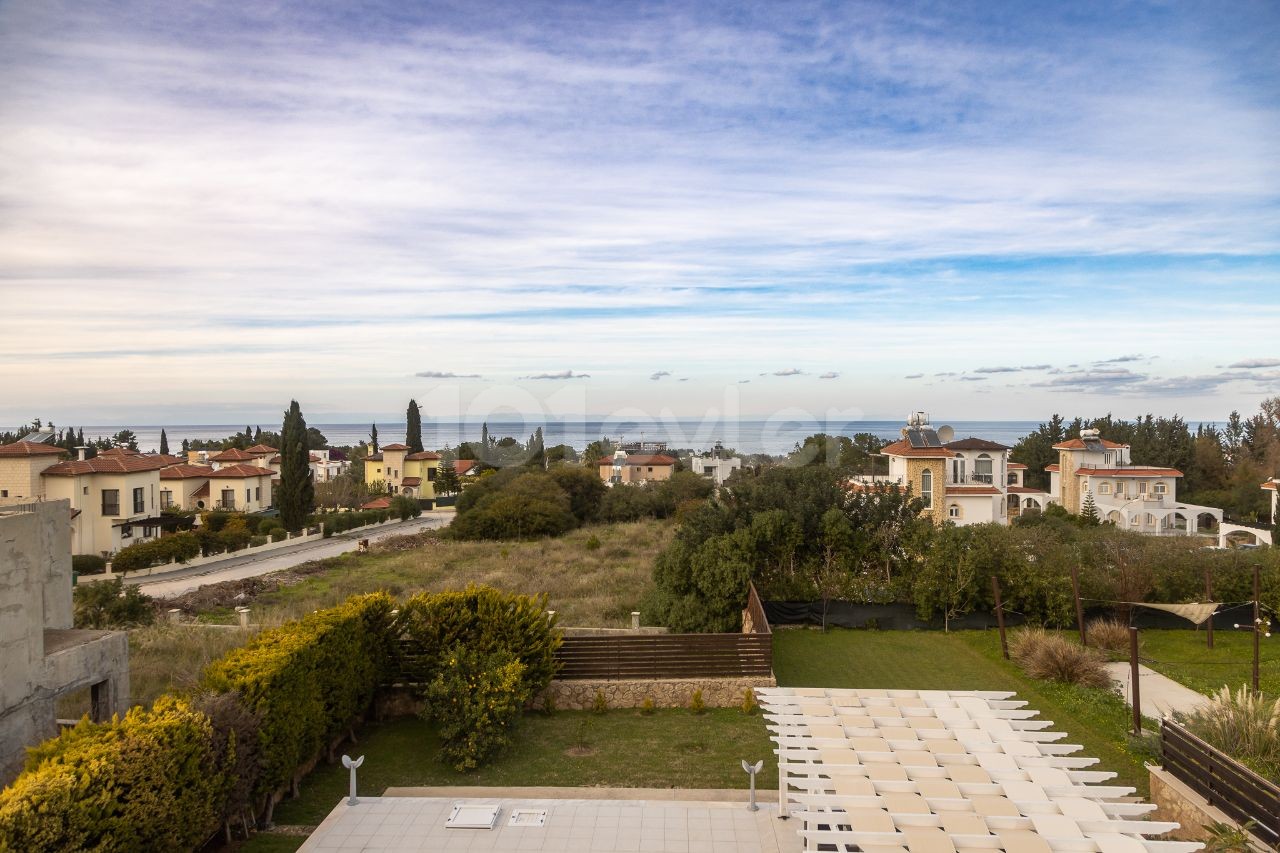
(985, 210)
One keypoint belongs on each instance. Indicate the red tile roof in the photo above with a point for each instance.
(377, 503)
(262, 449)
(374, 457)
(974, 444)
(423, 454)
(241, 472)
(1078, 444)
(1017, 466)
(463, 466)
(904, 448)
(1129, 472)
(202, 492)
(395, 447)
(233, 454)
(411, 481)
(105, 465)
(168, 458)
(972, 490)
(1025, 490)
(185, 472)
(1052, 469)
(640, 459)
(29, 448)
(1271, 485)
(119, 451)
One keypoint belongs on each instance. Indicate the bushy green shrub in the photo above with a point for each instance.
(599, 704)
(308, 680)
(176, 547)
(476, 700)
(404, 508)
(152, 780)
(531, 505)
(1053, 657)
(88, 564)
(450, 635)
(111, 604)
(279, 534)
(255, 541)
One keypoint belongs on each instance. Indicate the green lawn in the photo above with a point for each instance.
(961, 660)
(1182, 656)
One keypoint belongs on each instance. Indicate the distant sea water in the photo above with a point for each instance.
(772, 436)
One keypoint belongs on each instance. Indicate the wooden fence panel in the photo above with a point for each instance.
(666, 656)
(1224, 782)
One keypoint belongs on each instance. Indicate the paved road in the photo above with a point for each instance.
(182, 581)
(1160, 694)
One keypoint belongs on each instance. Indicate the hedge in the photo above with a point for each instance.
(88, 564)
(308, 681)
(178, 547)
(149, 781)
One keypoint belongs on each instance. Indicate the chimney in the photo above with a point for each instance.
(81, 453)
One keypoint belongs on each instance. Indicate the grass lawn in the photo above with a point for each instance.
(961, 660)
(670, 748)
(1182, 656)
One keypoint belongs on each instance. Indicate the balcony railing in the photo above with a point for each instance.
(226, 504)
(972, 479)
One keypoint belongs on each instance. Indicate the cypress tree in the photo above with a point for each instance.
(80, 437)
(164, 443)
(297, 494)
(413, 428)
(257, 435)
(186, 446)
(373, 437)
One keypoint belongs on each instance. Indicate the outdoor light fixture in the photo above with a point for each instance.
(752, 770)
(352, 764)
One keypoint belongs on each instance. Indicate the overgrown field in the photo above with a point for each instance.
(594, 576)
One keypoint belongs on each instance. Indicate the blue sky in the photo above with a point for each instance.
(984, 210)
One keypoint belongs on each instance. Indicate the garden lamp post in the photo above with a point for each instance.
(352, 765)
(752, 770)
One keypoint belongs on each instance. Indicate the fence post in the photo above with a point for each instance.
(1004, 643)
(1134, 690)
(1257, 628)
(1075, 590)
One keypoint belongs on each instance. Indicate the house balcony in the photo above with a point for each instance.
(973, 480)
(228, 505)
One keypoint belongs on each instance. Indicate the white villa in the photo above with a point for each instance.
(1133, 497)
(717, 465)
(972, 481)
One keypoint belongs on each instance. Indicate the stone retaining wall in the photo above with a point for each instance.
(665, 693)
(1177, 802)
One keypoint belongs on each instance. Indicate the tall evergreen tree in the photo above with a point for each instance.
(186, 446)
(296, 498)
(373, 437)
(413, 428)
(257, 435)
(164, 443)
(80, 437)
(484, 442)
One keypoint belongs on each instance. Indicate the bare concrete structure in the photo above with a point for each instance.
(42, 656)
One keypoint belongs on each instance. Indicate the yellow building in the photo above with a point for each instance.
(623, 467)
(403, 472)
(21, 465)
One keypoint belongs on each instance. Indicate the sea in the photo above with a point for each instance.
(773, 436)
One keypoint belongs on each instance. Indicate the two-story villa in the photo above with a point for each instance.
(623, 467)
(1134, 497)
(403, 471)
(115, 499)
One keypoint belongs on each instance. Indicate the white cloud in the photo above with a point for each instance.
(830, 374)
(561, 374)
(443, 374)
(1252, 363)
(788, 371)
(659, 374)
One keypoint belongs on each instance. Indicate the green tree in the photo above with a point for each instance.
(1089, 510)
(164, 443)
(447, 482)
(373, 437)
(413, 427)
(297, 493)
(125, 438)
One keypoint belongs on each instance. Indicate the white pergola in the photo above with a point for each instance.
(931, 771)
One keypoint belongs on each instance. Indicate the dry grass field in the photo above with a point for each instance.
(593, 577)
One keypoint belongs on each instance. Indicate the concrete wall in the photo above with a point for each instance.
(41, 655)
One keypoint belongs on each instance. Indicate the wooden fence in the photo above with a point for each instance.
(1223, 781)
(636, 656)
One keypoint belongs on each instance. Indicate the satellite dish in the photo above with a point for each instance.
(946, 434)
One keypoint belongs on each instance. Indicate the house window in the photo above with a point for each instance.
(1142, 487)
(953, 511)
(228, 499)
(982, 468)
(110, 501)
(248, 495)
(85, 491)
(926, 488)
(1160, 488)
(166, 499)
(1106, 458)
(146, 531)
(257, 493)
(4, 493)
(431, 475)
(1104, 488)
(126, 531)
(957, 469)
(1012, 479)
(139, 500)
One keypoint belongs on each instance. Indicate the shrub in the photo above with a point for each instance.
(475, 700)
(1109, 635)
(696, 705)
(405, 508)
(266, 525)
(749, 703)
(1053, 657)
(174, 548)
(308, 680)
(1243, 725)
(151, 780)
(599, 705)
(111, 604)
(646, 707)
(531, 505)
(279, 534)
(255, 541)
(88, 564)
(593, 543)
(549, 704)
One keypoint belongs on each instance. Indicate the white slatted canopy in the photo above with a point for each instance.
(931, 771)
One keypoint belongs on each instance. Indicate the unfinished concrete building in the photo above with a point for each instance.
(42, 657)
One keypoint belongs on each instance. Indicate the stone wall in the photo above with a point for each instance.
(665, 693)
(1175, 801)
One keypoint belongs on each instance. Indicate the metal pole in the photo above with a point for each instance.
(1134, 690)
(1257, 627)
(1004, 642)
(782, 785)
(1075, 590)
(1208, 597)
